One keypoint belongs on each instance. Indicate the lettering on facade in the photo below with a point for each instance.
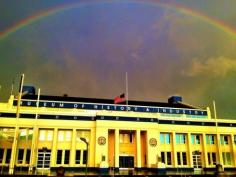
(94, 106)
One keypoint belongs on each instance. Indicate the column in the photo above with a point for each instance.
(233, 150)
(190, 150)
(33, 153)
(204, 149)
(14, 150)
(73, 148)
(54, 148)
(174, 150)
(220, 159)
(91, 148)
(138, 149)
(117, 149)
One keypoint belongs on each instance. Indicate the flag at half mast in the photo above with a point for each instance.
(119, 99)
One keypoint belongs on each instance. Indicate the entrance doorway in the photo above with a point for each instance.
(126, 162)
(197, 160)
(44, 157)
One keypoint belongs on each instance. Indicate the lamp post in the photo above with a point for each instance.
(85, 141)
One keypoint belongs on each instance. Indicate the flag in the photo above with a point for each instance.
(119, 99)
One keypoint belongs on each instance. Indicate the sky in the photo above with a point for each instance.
(84, 48)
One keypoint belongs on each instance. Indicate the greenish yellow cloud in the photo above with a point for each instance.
(212, 67)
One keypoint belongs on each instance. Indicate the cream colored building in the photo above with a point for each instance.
(45, 134)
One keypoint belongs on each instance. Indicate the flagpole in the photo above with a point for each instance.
(14, 144)
(12, 86)
(217, 137)
(126, 88)
(33, 145)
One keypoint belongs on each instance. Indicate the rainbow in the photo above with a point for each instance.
(180, 9)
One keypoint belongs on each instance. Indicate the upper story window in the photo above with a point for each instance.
(82, 134)
(196, 139)
(45, 135)
(224, 139)
(126, 137)
(165, 138)
(25, 134)
(210, 139)
(64, 135)
(180, 138)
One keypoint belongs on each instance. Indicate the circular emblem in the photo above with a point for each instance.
(101, 140)
(153, 142)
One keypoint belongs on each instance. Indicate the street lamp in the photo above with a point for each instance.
(85, 141)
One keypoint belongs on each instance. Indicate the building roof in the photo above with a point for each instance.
(108, 101)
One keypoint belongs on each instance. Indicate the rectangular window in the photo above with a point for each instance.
(214, 158)
(162, 138)
(169, 158)
(84, 156)
(192, 139)
(126, 138)
(209, 158)
(59, 156)
(30, 135)
(163, 157)
(46, 135)
(8, 157)
(27, 160)
(198, 141)
(22, 134)
(20, 156)
(67, 157)
(121, 138)
(224, 139)
(210, 139)
(178, 158)
(42, 135)
(226, 158)
(184, 156)
(1, 155)
(131, 137)
(50, 135)
(195, 139)
(61, 135)
(180, 138)
(165, 138)
(77, 157)
(167, 135)
(166, 157)
(68, 135)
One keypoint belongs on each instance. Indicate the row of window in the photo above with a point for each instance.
(180, 138)
(23, 156)
(63, 157)
(166, 157)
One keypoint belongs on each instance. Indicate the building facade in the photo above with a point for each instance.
(78, 133)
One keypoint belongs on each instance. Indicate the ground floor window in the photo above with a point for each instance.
(211, 158)
(166, 158)
(1, 155)
(63, 156)
(8, 156)
(5, 156)
(226, 158)
(85, 152)
(182, 158)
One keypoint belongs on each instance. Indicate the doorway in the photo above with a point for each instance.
(126, 162)
(44, 157)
